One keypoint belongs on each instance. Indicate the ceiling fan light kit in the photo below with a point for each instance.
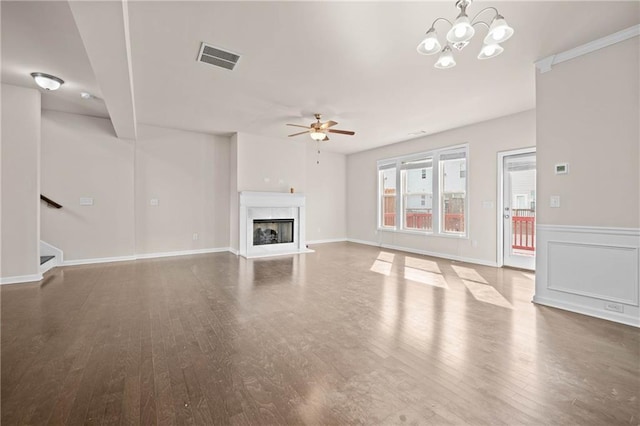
(318, 131)
(317, 135)
(460, 34)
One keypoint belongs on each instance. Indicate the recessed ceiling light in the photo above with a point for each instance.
(47, 81)
(86, 95)
(420, 132)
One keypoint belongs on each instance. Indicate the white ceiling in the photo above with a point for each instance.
(354, 62)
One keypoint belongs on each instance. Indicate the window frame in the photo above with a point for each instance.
(422, 163)
(382, 166)
(437, 222)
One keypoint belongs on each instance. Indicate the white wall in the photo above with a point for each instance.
(188, 173)
(588, 117)
(20, 182)
(81, 157)
(485, 140)
(276, 165)
(588, 112)
(270, 164)
(326, 190)
(234, 201)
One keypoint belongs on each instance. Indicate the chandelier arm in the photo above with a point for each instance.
(485, 9)
(441, 19)
(481, 22)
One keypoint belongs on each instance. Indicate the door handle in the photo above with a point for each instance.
(506, 216)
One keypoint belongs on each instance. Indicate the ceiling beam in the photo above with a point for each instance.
(104, 29)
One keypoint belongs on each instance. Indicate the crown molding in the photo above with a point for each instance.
(545, 64)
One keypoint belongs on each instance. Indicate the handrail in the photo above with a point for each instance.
(50, 202)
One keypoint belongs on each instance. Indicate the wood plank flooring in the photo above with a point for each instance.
(349, 334)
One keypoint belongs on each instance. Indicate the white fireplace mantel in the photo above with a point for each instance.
(271, 205)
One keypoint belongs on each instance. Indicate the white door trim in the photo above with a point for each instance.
(500, 203)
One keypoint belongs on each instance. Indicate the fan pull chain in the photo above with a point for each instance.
(318, 160)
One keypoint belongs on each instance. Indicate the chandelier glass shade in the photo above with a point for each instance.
(430, 44)
(460, 33)
(445, 60)
(490, 51)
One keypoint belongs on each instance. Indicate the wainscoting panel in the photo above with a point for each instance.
(590, 270)
(594, 270)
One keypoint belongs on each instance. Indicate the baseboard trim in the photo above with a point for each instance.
(427, 253)
(180, 253)
(21, 279)
(588, 311)
(144, 256)
(233, 251)
(97, 260)
(329, 240)
(50, 264)
(364, 242)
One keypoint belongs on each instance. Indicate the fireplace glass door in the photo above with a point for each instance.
(272, 231)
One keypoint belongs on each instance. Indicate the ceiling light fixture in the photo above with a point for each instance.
(318, 135)
(462, 31)
(47, 81)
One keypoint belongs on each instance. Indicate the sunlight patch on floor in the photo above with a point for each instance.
(468, 274)
(424, 264)
(384, 262)
(381, 267)
(386, 256)
(425, 277)
(487, 294)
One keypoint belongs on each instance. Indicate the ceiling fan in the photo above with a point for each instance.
(318, 131)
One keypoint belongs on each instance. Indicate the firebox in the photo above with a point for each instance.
(272, 231)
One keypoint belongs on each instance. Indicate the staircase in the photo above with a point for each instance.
(50, 257)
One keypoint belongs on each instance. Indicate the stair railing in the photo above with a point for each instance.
(50, 202)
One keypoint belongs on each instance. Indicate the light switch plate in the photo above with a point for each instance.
(86, 201)
(554, 201)
(154, 202)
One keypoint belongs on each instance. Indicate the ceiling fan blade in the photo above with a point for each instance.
(328, 124)
(298, 125)
(301, 133)
(342, 132)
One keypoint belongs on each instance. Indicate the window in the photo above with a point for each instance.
(417, 193)
(453, 189)
(387, 183)
(428, 189)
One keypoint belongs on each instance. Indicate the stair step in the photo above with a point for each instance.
(45, 259)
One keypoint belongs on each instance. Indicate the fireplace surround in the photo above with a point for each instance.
(271, 224)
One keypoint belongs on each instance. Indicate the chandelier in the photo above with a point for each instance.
(461, 33)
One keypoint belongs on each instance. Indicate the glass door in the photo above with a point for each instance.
(519, 210)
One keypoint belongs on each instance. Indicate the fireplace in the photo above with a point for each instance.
(272, 231)
(271, 224)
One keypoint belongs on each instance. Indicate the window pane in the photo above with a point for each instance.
(388, 197)
(453, 186)
(418, 198)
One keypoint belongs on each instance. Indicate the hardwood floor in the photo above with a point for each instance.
(349, 334)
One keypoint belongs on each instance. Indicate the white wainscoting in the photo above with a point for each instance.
(587, 269)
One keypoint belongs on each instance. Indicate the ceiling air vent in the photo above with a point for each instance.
(218, 57)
